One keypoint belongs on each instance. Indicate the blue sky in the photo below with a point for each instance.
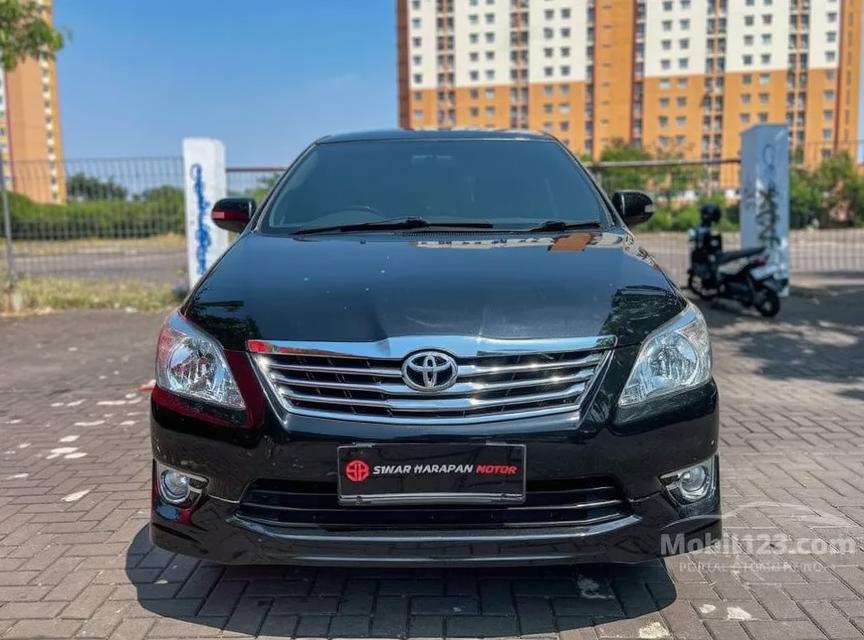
(265, 76)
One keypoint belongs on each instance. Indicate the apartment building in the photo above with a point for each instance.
(678, 77)
(30, 140)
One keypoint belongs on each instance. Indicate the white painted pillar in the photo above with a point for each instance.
(765, 192)
(205, 183)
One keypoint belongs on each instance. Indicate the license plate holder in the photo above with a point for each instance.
(394, 474)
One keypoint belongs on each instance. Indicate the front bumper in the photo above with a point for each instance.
(635, 448)
(652, 530)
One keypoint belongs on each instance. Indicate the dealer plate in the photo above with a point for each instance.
(431, 474)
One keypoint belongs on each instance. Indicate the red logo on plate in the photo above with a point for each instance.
(357, 471)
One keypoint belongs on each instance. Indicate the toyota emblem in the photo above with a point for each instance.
(429, 371)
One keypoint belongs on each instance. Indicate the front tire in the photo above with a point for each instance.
(767, 302)
(694, 283)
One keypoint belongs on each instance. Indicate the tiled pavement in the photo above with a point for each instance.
(75, 560)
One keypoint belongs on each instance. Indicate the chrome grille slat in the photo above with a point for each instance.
(382, 373)
(460, 388)
(479, 370)
(435, 404)
(495, 379)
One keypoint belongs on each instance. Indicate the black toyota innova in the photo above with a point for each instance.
(435, 348)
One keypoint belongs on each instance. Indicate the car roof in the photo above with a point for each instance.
(434, 134)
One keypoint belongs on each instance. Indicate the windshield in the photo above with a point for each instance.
(509, 183)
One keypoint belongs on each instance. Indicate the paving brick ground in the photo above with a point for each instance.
(75, 560)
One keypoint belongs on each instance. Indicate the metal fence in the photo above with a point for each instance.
(112, 219)
(828, 243)
(123, 219)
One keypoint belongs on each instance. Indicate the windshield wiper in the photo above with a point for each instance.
(564, 225)
(398, 223)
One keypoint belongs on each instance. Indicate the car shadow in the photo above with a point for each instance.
(292, 601)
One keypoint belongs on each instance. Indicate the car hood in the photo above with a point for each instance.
(370, 287)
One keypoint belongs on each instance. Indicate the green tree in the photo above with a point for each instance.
(82, 187)
(613, 179)
(25, 33)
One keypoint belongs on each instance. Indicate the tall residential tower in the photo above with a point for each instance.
(675, 76)
(30, 142)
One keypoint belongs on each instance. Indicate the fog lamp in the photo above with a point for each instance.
(693, 483)
(174, 486)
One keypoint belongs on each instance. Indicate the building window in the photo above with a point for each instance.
(763, 117)
(748, 21)
(415, 23)
(681, 121)
(667, 25)
(490, 94)
(764, 78)
(831, 36)
(664, 83)
(766, 58)
(547, 71)
(747, 78)
(664, 103)
(684, 43)
(684, 24)
(748, 40)
(763, 98)
(683, 63)
(747, 60)
(745, 98)
(418, 78)
(664, 121)
(681, 101)
(665, 65)
(682, 83)
(548, 52)
(547, 89)
(767, 18)
(666, 44)
(418, 114)
(745, 118)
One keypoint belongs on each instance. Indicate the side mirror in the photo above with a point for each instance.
(635, 207)
(233, 214)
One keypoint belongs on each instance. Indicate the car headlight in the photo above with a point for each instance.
(674, 358)
(192, 364)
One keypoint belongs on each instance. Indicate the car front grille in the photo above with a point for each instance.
(579, 502)
(494, 379)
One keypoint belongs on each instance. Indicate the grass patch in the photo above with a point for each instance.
(119, 245)
(43, 294)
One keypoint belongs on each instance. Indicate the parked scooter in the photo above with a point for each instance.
(744, 276)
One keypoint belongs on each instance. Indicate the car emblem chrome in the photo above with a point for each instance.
(429, 371)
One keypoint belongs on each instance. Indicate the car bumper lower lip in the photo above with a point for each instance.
(225, 538)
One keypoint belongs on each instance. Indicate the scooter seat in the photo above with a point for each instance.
(730, 256)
